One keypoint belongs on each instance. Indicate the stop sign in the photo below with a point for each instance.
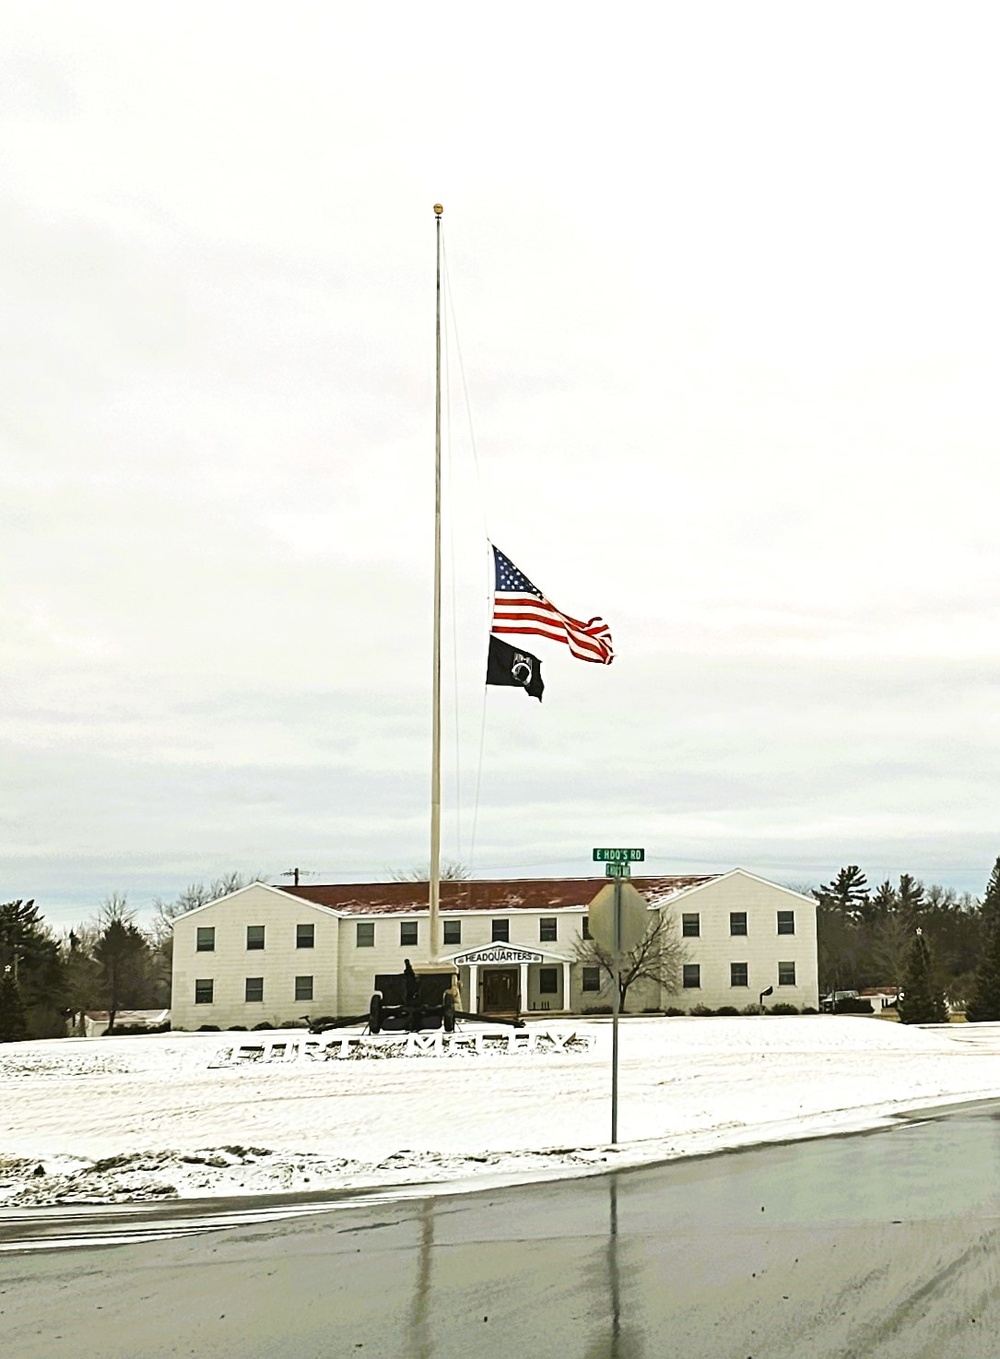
(635, 916)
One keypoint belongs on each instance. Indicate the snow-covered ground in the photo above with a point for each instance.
(111, 1119)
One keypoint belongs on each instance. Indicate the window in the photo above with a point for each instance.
(738, 974)
(691, 925)
(303, 988)
(206, 939)
(501, 931)
(547, 930)
(204, 990)
(786, 922)
(737, 922)
(586, 927)
(452, 931)
(692, 976)
(365, 937)
(255, 936)
(254, 988)
(591, 979)
(407, 932)
(548, 981)
(786, 974)
(305, 936)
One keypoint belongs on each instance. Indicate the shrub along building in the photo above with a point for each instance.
(275, 954)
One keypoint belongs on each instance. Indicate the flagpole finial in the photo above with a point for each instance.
(438, 209)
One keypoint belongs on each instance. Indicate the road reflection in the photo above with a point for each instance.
(419, 1338)
(613, 1338)
(877, 1245)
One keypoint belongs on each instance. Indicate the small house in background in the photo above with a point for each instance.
(881, 997)
(95, 1022)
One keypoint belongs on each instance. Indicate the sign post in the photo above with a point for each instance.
(624, 933)
(616, 963)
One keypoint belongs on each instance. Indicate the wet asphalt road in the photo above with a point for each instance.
(869, 1247)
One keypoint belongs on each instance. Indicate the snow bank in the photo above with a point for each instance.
(106, 1119)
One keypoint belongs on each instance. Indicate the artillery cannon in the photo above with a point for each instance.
(405, 1002)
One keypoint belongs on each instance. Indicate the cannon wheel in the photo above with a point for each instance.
(448, 1012)
(375, 1013)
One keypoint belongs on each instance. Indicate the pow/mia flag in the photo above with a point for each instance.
(509, 665)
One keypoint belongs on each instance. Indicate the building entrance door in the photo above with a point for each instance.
(500, 990)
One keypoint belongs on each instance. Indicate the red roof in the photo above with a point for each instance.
(476, 894)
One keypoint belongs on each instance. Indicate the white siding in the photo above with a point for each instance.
(231, 963)
(359, 966)
(344, 975)
(762, 948)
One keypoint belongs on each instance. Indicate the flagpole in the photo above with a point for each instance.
(435, 866)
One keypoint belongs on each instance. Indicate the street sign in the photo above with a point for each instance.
(613, 870)
(636, 917)
(619, 856)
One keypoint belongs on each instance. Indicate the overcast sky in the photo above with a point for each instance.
(726, 286)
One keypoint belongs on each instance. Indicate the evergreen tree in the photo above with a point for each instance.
(23, 938)
(83, 986)
(884, 901)
(922, 1001)
(838, 949)
(13, 1025)
(985, 1001)
(910, 895)
(31, 953)
(990, 906)
(123, 956)
(848, 892)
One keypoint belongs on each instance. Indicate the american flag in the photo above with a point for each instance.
(520, 607)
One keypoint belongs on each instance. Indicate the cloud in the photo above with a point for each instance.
(729, 344)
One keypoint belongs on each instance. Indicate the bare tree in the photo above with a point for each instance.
(892, 939)
(194, 895)
(658, 957)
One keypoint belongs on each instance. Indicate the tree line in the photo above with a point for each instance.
(911, 937)
(48, 981)
(933, 943)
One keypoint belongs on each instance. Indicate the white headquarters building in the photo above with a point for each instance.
(271, 955)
